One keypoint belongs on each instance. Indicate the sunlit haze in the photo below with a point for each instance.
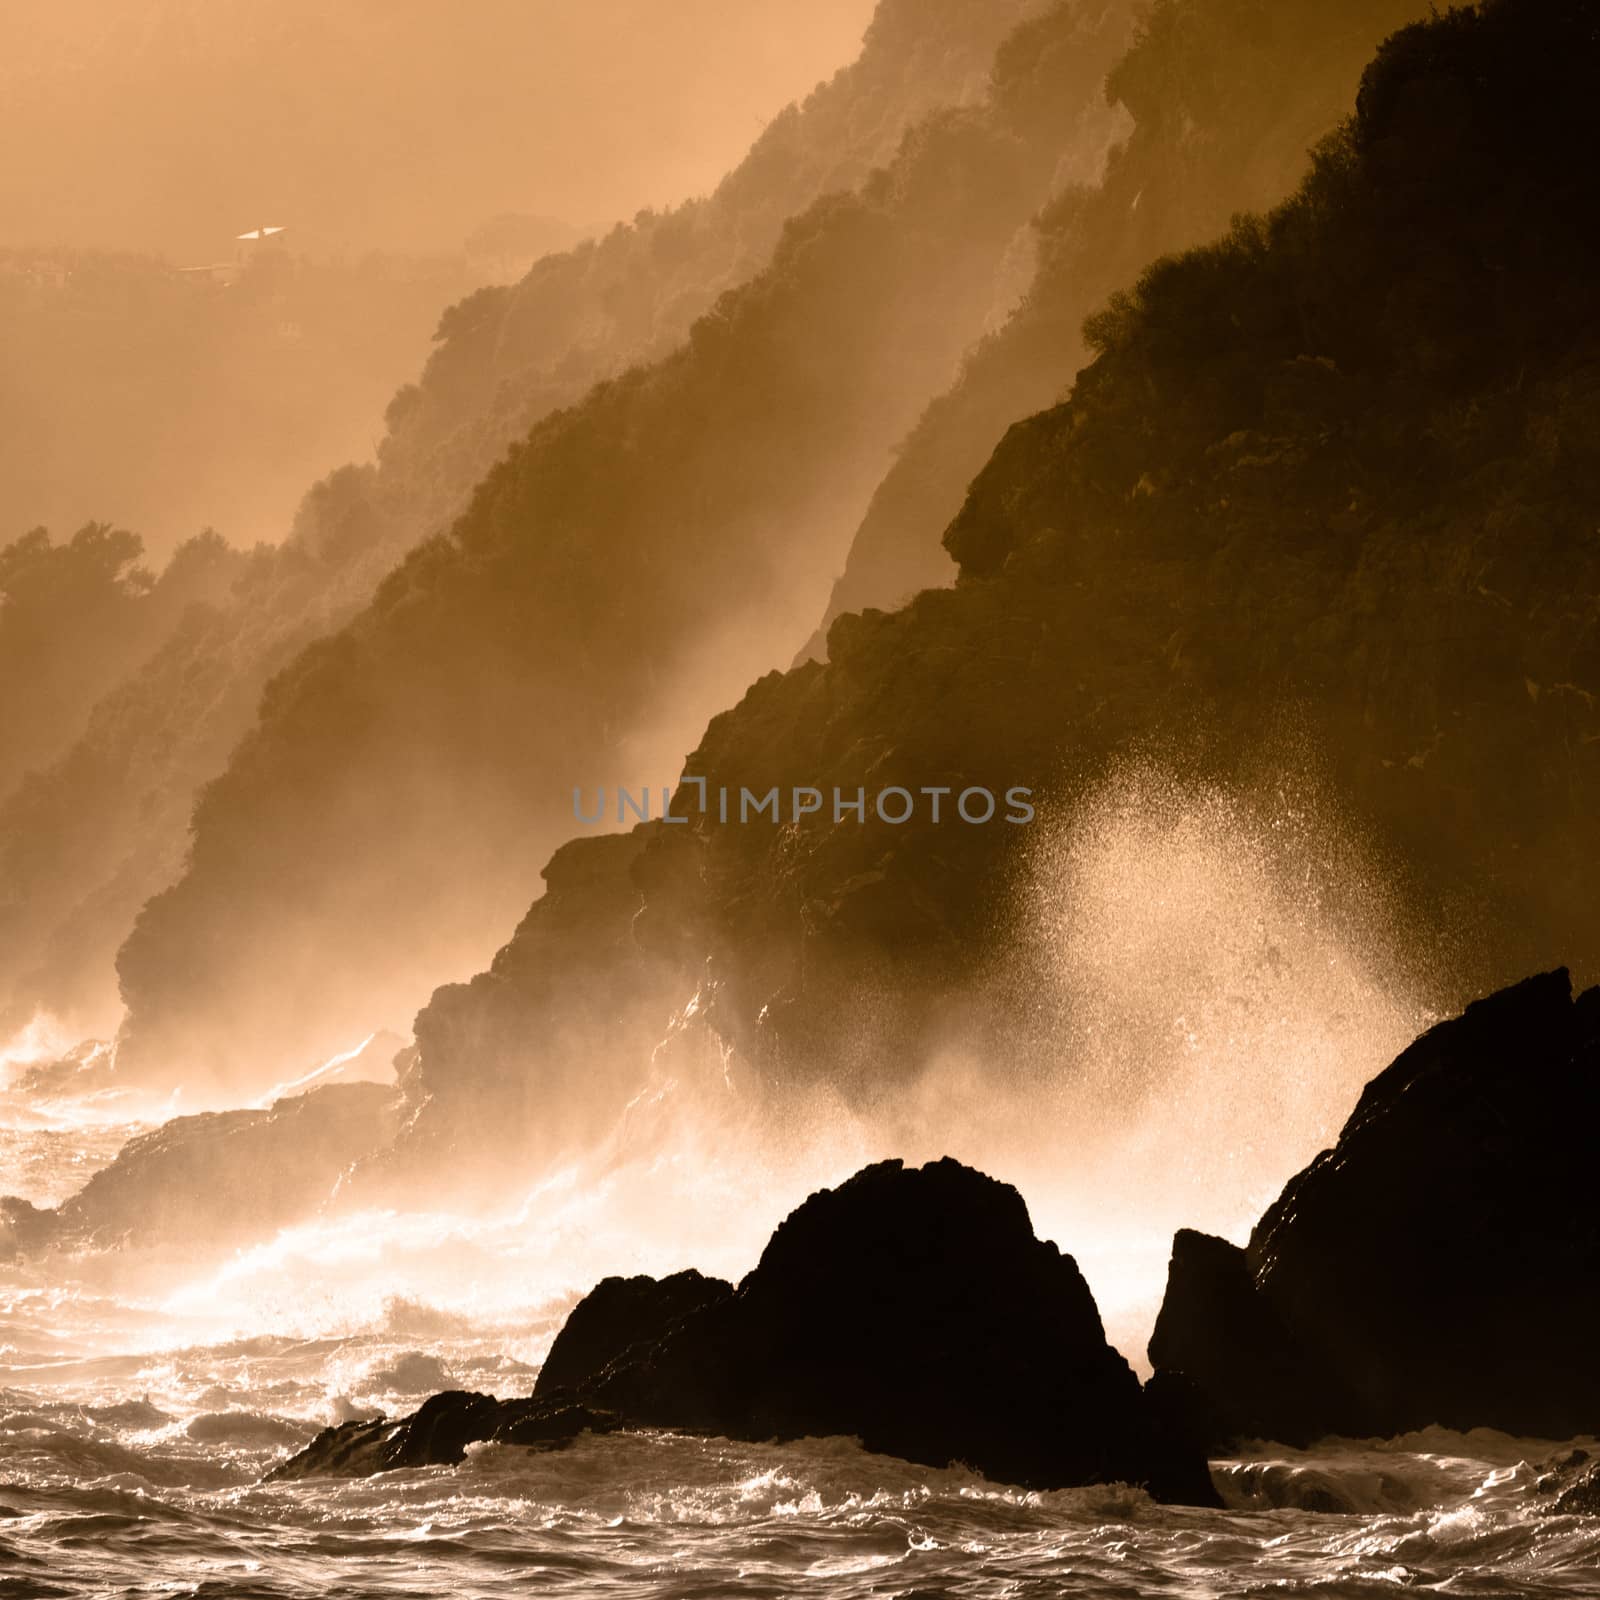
(798, 797)
(383, 124)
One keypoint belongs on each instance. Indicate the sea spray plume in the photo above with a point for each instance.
(107, 826)
(1203, 978)
(625, 563)
(1188, 988)
(1193, 944)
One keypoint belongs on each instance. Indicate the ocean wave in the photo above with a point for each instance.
(1433, 1468)
(129, 1456)
(253, 1428)
(39, 1453)
(665, 1514)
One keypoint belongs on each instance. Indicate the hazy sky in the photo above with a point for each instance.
(173, 125)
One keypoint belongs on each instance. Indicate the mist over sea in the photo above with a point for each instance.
(146, 1388)
(139, 1411)
(435, 1162)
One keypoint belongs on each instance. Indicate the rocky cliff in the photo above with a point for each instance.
(1225, 99)
(217, 1179)
(1337, 468)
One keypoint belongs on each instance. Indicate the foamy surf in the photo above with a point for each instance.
(133, 1482)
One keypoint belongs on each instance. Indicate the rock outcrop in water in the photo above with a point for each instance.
(1435, 1266)
(1582, 1498)
(216, 1177)
(910, 1307)
(1572, 1478)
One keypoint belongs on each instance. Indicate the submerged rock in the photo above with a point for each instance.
(911, 1308)
(1573, 1479)
(140, 1414)
(1432, 1266)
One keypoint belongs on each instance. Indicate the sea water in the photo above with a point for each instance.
(132, 1456)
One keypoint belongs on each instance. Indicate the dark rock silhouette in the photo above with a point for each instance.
(1582, 1497)
(1572, 1478)
(910, 1307)
(617, 1314)
(1216, 1335)
(1413, 1274)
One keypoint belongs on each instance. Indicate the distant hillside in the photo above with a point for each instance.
(628, 560)
(511, 354)
(180, 399)
(107, 827)
(75, 616)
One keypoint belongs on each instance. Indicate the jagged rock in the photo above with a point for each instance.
(912, 1308)
(1426, 1268)
(1581, 1498)
(617, 1314)
(916, 1310)
(1573, 1478)
(1216, 1336)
